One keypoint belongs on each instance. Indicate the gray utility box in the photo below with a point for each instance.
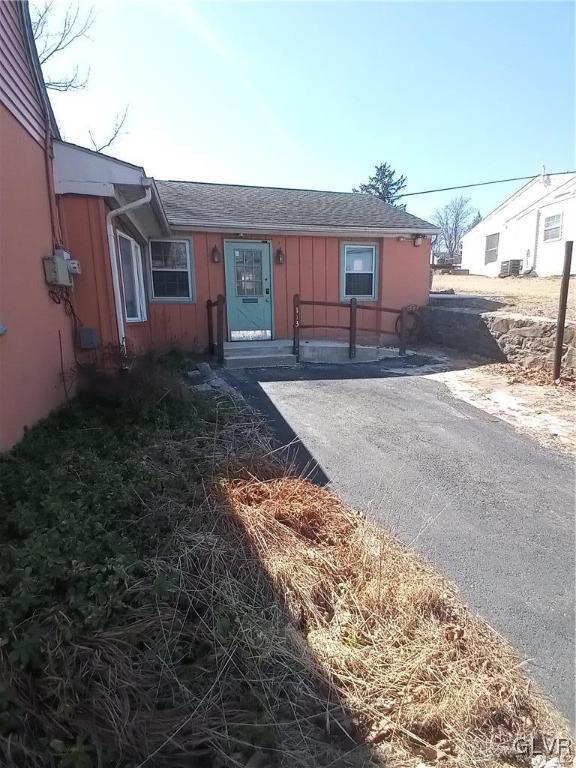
(60, 268)
(87, 338)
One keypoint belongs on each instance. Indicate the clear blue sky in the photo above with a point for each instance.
(315, 94)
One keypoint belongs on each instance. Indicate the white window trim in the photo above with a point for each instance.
(375, 259)
(138, 272)
(191, 298)
(555, 226)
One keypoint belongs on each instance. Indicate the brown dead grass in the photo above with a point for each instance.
(417, 670)
(528, 295)
(540, 376)
(377, 661)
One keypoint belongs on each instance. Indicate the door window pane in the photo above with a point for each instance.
(248, 272)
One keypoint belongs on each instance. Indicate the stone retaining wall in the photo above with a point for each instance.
(498, 335)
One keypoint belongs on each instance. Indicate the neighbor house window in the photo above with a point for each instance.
(132, 279)
(359, 271)
(553, 227)
(170, 265)
(491, 252)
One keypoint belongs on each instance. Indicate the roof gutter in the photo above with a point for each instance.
(114, 258)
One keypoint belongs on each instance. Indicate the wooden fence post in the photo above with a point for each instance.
(562, 309)
(220, 327)
(296, 327)
(403, 331)
(352, 346)
(211, 348)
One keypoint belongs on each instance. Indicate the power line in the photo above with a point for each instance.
(481, 184)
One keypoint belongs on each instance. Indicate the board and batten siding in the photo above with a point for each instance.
(311, 268)
(18, 90)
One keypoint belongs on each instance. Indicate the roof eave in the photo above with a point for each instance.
(297, 229)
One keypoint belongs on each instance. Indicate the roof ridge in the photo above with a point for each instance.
(261, 186)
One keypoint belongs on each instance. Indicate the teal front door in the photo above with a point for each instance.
(248, 289)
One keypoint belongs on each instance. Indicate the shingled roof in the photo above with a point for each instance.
(267, 209)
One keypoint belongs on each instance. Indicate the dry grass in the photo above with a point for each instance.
(275, 628)
(204, 670)
(417, 670)
(528, 295)
(540, 376)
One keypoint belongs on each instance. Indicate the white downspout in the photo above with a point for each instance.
(114, 259)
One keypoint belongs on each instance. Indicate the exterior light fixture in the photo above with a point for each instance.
(215, 254)
(418, 240)
(280, 257)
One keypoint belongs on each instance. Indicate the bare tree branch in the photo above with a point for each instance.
(118, 125)
(454, 220)
(53, 35)
(39, 22)
(73, 82)
(50, 43)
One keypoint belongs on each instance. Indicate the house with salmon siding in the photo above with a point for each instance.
(100, 260)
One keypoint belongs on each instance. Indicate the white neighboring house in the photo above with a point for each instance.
(531, 226)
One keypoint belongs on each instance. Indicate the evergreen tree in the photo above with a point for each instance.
(385, 185)
(476, 220)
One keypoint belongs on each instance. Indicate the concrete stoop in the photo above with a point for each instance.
(267, 354)
(258, 354)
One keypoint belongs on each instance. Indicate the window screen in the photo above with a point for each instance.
(170, 264)
(553, 227)
(359, 271)
(491, 252)
(132, 279)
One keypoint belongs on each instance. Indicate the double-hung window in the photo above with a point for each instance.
(553, 227)
(359, 269)
(491, 250)
(171, 270)
(132, 279)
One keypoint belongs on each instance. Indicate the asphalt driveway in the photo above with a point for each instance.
(492, 508)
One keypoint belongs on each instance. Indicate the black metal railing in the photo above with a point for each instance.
(401, 325)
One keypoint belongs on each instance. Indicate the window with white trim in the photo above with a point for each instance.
(359, 272)
(553, 227)
(491, 251)
(171, 270)
(130, 258)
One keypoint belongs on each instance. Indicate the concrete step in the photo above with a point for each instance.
(260, 352)
(321, 351)
(258, 347)
(253, 360)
